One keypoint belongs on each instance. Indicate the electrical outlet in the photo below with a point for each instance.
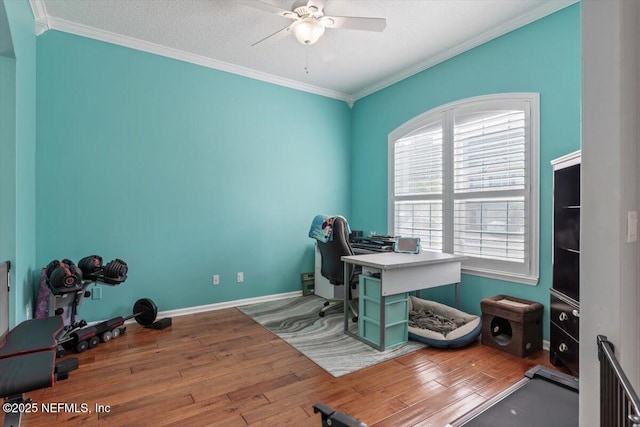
(27, 309)
(96, 293)
(240, 277)
(216, 279)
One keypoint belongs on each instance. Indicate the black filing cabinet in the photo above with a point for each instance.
(565, 292)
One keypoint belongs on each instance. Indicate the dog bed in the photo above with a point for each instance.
(468, 331)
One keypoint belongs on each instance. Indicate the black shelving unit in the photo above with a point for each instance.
(565, 292)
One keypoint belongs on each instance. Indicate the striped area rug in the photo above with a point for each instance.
(321, 339)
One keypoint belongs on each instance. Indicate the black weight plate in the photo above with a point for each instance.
(111, 269)
(56, 277)
(116, 269)
(51, 267)
(106, 336)
(146, 311)
(63, 278)
(82, 346)
(123, 269)
(76, 271)
(83, 264)
(70, 280)
(90, 264)
(94, 341)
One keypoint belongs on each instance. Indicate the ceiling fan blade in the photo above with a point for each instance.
(267, 7)
(277, 35)
(317, 4)
(354, 23)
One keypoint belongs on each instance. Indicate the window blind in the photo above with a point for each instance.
(489, 151)
(418, 185)
(489, 183)
(418, 162)
(464, 177)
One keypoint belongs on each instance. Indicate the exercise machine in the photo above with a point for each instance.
(85, 337)
(28, 363)
(543, 397)
(63, 286)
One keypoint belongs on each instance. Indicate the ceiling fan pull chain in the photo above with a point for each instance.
(306, 63)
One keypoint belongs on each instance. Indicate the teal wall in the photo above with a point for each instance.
(185, 172)
(543, 57)
(182, 171)
(17, 151)
(7, 168)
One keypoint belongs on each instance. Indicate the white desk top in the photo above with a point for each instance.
(391, 260)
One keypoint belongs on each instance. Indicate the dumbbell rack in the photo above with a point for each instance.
(67, 285)
(65, 302)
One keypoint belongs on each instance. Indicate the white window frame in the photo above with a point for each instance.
(527, 272)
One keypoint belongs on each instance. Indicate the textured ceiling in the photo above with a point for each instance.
(219, 33)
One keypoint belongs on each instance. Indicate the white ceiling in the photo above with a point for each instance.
(219, 34)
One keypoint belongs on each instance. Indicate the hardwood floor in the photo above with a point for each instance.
(222, 369)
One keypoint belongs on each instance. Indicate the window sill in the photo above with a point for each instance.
(501, 275)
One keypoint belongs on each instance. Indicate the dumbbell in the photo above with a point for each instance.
(63, 274)
(90, 264)
(144, 311)
(116, 269)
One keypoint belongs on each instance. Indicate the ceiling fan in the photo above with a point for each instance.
(310, 22)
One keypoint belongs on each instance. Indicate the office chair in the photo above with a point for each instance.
(332, 266)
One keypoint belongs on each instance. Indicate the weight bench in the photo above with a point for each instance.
(28, 363)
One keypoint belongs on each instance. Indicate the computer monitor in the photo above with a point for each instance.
(407, 245)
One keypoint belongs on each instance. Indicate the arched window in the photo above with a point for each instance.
(464, 178)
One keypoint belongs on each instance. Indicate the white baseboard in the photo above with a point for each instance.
(546, 345)
(226, 304)
(240, 302)
(216, 306)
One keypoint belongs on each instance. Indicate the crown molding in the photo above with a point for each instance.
(145, 46)
(44, 22)
(41, 27)
(40, 15)
(543, 10)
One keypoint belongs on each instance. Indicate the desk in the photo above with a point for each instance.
(401, 273)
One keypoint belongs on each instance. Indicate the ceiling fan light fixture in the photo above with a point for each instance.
(307, 30)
